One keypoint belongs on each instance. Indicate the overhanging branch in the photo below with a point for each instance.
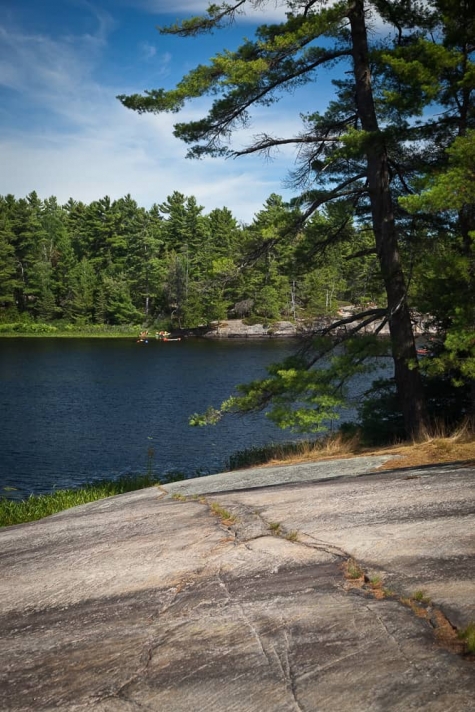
(337, 192)
(203, 23)
(369, 316)
(264, 143)
(361, 253)
(222, 124)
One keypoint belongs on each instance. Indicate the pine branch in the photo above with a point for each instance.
(227, 112)
(361, 253)
(266, 142)
(338, 192)
(370, 315)
(202, 23)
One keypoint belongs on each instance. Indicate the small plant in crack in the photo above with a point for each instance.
(225, 516)
(354, 570)
(413, 605)
(274, 527)
(421, 597)
(179, 497)
(292, 536)
(467, 634)
(376, 582)
(375, 585)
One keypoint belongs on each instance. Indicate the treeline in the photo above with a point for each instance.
(112, 262)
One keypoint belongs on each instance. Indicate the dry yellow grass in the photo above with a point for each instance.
(333, 446)
(431, 454)
(429, 450)
(460, 447)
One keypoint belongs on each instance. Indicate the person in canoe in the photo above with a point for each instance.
(162, 335)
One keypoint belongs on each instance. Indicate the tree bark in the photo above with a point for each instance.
(406, 372)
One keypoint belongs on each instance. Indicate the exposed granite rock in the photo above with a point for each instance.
(145, 602)
(237, 329)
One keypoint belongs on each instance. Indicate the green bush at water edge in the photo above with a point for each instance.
(36, 328)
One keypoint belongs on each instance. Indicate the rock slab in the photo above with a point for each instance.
(148, 601)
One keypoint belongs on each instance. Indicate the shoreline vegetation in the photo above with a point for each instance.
(44, 330)
(432, 449)
(229, 329)
(233, 328)
(43, 505)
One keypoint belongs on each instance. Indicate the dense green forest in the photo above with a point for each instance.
(113, 262)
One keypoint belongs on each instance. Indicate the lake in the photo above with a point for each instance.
(78, 410)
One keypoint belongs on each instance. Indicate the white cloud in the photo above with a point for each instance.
(115, 152)
(35, 63)
(144, 161)
(54, 74)
(263, 11)
(87, 145)
(147, 50)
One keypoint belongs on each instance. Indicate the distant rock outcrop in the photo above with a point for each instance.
(237, 329)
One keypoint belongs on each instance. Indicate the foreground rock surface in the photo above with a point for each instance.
(148, 601)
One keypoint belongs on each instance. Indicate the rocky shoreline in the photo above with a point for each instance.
(237, 329)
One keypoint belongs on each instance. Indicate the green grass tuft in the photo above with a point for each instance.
(39, 506)
(421, 597)
(223, 514)
(292, 536)
(354, 570)
(468, 636)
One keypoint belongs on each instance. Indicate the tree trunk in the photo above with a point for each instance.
(467, 226)
(406, 372)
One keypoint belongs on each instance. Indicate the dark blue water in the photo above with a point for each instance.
(76, 410)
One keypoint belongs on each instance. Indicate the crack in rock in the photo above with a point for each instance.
(286, 671)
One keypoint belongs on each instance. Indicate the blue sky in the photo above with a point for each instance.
(63, 132)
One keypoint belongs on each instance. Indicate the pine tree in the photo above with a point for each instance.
(80, 306)
(347, 146)
(25, 221)
(9, 282)
(145, 267)
(346, 151)
(62, 258)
